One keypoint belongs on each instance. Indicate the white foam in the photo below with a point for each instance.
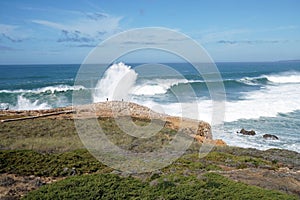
(51, 89)
(286, 77)
(267, 102)
(25, 104)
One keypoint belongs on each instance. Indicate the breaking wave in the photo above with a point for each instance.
(285, 77)
(48, 89)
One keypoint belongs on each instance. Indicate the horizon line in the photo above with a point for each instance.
(165, 62)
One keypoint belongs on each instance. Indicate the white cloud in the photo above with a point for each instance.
(88, 27)
(11, 33)
(49, 24)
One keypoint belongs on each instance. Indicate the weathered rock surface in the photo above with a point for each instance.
(270, 137)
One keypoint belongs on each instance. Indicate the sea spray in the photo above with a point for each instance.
(25, 104)
(116, 83)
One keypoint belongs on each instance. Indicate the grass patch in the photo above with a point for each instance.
(42, 135)
(52, 136)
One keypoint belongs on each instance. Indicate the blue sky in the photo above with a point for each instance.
(47, 31)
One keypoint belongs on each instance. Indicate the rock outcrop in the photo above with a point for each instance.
(191, 127)
(270, 137)
(245, 132)
(115, 109)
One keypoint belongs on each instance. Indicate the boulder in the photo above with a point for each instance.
(270, 137)
(245, 132)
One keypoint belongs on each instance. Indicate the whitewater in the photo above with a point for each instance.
(259, 96)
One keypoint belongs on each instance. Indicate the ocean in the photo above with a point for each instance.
(260, 96)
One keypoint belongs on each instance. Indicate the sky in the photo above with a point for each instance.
(64, 32)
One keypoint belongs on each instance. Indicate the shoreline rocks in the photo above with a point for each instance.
(270, 137)
(245, 132)
(252, 132)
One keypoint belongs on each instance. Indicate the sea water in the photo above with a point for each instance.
(263, 96)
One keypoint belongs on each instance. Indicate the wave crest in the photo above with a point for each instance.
(51, 89)
(286, 77)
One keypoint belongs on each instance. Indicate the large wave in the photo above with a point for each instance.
(39, 98)
(119, 82)
(116, 83)
(162, 86)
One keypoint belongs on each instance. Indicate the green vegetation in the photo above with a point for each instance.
(108, 186)
(27, 162)
(239, 162)
(52, 148)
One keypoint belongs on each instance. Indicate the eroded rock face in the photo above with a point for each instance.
(270, 137)
(245, 132)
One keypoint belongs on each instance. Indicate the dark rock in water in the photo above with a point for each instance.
(245, 132)
(270, 136)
